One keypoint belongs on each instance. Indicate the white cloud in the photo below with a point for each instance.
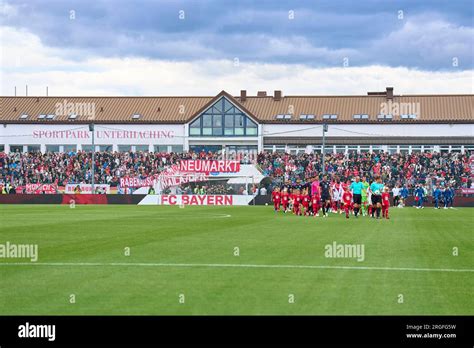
(7, 10)
(436, 42)
(25, 60)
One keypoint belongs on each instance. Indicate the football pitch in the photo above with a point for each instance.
(153, 260)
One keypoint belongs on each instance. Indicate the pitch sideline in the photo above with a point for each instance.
(221, 265)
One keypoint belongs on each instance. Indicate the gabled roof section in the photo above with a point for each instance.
(233, 100)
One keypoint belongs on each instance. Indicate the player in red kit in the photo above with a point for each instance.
(347, 201)
(276, 198)
(305, 199)
(285, 199)
(296, 199)
(385, 203)
(315, 203)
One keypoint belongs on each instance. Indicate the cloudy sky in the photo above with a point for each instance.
(154, 47)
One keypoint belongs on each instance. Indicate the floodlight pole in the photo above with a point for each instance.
(91, 128)
(325, 129)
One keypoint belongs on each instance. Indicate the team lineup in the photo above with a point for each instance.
(356, 197)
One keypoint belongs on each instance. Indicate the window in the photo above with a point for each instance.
(416, 149)
(2, 148)
(24, 116)
(223, 119)
(16, 148)
(229, 125)
(317, 148)
(52, 148)
(353, 148)
(33, 148)
(404, 149)
(377, 148)
(217, 125)
(124, 148)
(103, 148)
(392, 149)
(136, 116)
(206, 148)
(161, 148)
(280, 148)
(41, 117)
(177, 148)
(428, 148)
(268, 148)
(72, 116)
(71, 148)
(87, 148)
(383, 117)
(141, 148)
(195, 127)
(251, 128)
(50, 117)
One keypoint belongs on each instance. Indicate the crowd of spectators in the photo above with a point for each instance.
(398, 168)
(18, 169)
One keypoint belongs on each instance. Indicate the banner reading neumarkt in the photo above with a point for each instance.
(209, 166)
(196, 200)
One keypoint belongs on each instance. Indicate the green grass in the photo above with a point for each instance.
(203, 235)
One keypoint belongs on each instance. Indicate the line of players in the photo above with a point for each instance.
(441, 196)
(357, 197)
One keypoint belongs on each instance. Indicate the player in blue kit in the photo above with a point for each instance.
(419, 196)
(436, 196)
(448, 195)
(453, 193)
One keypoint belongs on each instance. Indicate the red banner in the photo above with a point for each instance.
(40, 188)
(467, 191)
(137, 182)
(209, 166)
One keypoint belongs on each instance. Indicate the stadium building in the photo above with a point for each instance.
(376, 121)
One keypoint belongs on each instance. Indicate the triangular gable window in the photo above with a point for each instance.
(223, 119)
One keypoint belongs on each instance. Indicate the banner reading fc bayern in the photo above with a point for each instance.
(196, 200)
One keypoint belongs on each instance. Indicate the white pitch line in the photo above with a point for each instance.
(229, 265)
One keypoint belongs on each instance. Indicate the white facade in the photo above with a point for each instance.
(175, 137)
(370, 130)
(114, 136)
